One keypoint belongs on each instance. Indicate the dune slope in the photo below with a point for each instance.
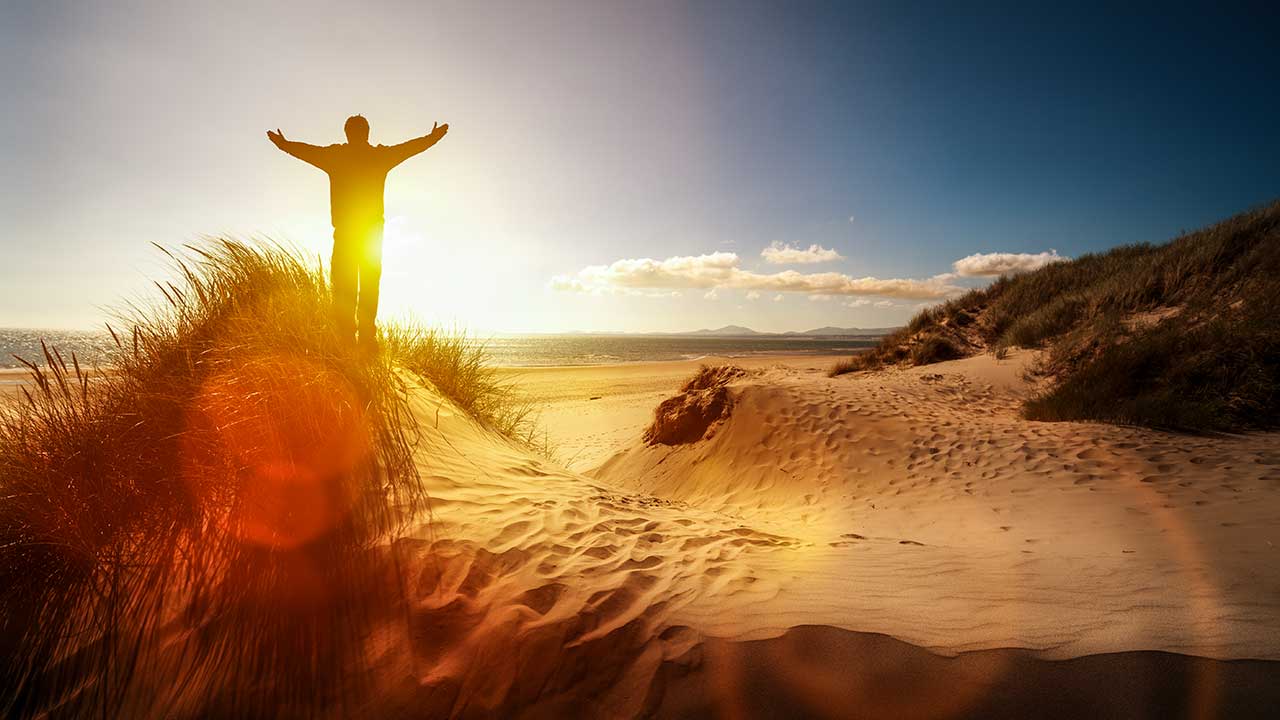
(899, 544)
(922, 505)
(1180, 335)
(918, 553)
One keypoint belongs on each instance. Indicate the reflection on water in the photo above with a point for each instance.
(526, 350)
(90, 347)
(600, 349)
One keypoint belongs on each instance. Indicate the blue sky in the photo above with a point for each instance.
(588, 137)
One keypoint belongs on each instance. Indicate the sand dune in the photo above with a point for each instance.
(894, 544)
(911, 504)
(590, 412)
(927, 509)
(537, 588)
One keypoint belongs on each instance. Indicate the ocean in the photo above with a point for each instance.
(90, 347)
(93, 348)
(532, 350)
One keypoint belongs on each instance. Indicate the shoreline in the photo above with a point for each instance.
(699, 360)
(763, 356)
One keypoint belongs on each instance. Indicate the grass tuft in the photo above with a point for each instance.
(458, 367)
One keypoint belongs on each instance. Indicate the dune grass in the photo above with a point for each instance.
(1180, 335)
(231, 474)
(458, 367)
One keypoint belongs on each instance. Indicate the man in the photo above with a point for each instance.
(357, 175)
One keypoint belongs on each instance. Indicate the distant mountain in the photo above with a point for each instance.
(737, 331)
(726, 331)
(831, 331)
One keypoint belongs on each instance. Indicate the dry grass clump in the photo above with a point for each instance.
(211, 508)
(694, 413)
(1206, 362)
(1220, 373)
(458, 368)
(943, 332)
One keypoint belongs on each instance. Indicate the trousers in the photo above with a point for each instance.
(356, 271)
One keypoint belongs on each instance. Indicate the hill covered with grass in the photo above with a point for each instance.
(232, 467)
(1182, 335)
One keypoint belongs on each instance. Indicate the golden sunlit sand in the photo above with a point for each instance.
(590, 412)
(914, 504)
(248, 513)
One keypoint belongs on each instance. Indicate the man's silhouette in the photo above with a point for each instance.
(357, 174)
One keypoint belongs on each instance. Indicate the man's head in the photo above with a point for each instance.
(357, 129)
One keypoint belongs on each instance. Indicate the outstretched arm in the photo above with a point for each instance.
(409, 148)
(313, 154)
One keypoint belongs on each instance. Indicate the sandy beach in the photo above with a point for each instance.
(916, 507)
(590, 412)
(895, 543)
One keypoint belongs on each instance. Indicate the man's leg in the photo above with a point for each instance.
(370, 277)
(344, 269)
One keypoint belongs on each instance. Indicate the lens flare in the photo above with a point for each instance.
(290, 435)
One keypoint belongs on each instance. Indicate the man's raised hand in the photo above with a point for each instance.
(276, 137)
(438, 129)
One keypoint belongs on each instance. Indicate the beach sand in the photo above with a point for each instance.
(590, 412)
(896, 544)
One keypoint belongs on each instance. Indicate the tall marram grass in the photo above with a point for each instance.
(459, 369)
(1180, 335)
(207, 512)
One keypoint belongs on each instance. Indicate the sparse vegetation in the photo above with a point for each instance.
(934, 348)
(1180, 335)
(232, 473)
(459, 370)
(694, 413)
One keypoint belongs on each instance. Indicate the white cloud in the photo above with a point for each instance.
(711, 294)
(720, 270)
(753, 295)
(819, 298)
(778, 297)
(885, 304)
(850, 218)
(992, 264)
(779, 254)
(857, 302)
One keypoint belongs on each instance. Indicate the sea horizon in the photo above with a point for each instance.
(502, 349)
